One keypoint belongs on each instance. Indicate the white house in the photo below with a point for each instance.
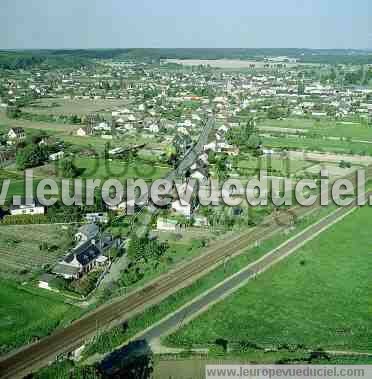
(81, 132)
(96, 218)
(45, 280)
(25, 209)
(86, 233)
(167, 225)
(153, 128)
(182, 209)
(82, 259)
(16, 135)
(56, 156)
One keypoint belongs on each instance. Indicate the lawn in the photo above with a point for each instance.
(317, 298)
(26, 315)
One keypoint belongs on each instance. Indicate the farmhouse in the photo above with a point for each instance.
(101, 218)
(86, 233)
(167, 225)
(16, 135)
(82, 259)
(83, 132)
(56, 156)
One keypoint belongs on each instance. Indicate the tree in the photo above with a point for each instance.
(241, 135)
(13, 111)
(171, 153)
(274, 113)
(145, 249)
(107, 150)
(31, 156)
(38, 137)
(221, 167)
(68, 169)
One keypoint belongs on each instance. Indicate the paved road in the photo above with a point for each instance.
(187, 161)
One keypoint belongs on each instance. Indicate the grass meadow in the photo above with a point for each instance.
(316, 298)
(29, 314)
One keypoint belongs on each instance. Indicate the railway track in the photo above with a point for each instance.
(37, 355)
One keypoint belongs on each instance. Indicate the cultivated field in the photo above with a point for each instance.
(30, 247)
(79, 107)
(327, 128)
(248, 165)
(49, 127)
(317, 298)
(317, 144)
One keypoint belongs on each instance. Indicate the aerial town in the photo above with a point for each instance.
(87, 289)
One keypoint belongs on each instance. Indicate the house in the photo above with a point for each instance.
(199, 174)
(102, 126)
(83, 132)
(16, 135)
(182, 209)
(27, 209)
(153, 128)
(167, 225)
(200, 221)
(45, 281)
(56, 156)
(81, 260)
(119, 208)
(101, 218)
(86, 233)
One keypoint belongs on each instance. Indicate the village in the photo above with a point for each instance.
(81, 122)
(161, 119)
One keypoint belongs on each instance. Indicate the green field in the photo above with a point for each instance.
(351, 129)
(29, 247)
(26, 315)
(101, 169)
(278, 166)
(318, 144)
(111, 339)
(80, 107)
(317, 298)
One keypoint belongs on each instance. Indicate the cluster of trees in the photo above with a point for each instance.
(245, 137)
(13, 112)
(142, 252)
(24, 220)
(68, 169)
(31, 156)
(276, 112)
(10, 60)
(145, 249)
(66, 119)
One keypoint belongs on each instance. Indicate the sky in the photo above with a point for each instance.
(27, 24)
